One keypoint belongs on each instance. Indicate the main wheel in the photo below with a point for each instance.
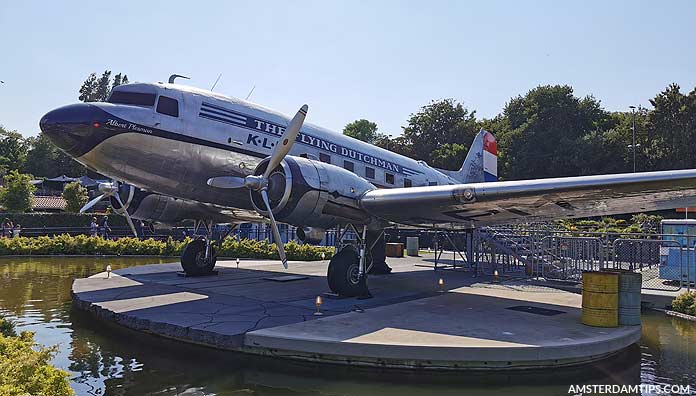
(343, 274)
(193, 258)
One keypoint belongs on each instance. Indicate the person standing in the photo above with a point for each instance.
(141, 229)
(17, 230)
(105, 229)
(93, 227)
(7, 228)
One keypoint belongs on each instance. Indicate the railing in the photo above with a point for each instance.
(666, 261)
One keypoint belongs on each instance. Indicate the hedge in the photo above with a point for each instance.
(38, 220)
(685, 303)
(85, 245)
(25, 367)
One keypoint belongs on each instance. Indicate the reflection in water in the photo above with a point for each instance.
(104, 359)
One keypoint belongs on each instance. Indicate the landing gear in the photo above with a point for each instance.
(348, 269)
(199, 256)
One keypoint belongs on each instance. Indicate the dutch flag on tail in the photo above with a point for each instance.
(481, 163)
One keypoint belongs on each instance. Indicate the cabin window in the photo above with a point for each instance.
(369, 172)
(389, 178)
(325, 158)
(432, 183)
(408, 183)
(132, 98)
(168, 106)
(348, 166)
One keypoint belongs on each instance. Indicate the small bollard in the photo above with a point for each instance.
(441, 283)
(496, 278)
(237, 262)
(108, 271)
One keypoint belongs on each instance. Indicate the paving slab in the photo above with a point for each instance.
(409, 323)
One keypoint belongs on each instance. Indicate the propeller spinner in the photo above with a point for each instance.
(260, 183)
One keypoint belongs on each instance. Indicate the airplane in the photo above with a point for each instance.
(176, 153)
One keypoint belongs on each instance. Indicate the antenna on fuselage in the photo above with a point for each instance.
(216, 81)
(250, 92)
(175, 76)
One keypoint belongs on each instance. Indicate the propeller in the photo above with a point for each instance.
(109, 190)
(260, 183)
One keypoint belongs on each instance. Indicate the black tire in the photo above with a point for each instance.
(331, 272)
(192, 258)
(342, 274)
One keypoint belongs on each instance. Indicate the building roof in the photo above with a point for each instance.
(47, 203)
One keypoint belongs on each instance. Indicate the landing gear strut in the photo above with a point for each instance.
(348, 268)
(199, 256)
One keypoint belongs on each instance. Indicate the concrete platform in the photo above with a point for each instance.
(408, 324)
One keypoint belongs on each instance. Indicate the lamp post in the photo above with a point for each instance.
(633, 128)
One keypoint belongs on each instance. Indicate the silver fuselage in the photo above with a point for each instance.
(215, 135)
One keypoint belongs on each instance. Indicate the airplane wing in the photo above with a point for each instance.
(481, 204)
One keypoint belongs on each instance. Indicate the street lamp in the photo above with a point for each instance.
(633, 146)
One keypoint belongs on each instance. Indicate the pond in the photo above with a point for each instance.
(104, 359)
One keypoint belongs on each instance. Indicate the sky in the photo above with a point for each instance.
(379, 60)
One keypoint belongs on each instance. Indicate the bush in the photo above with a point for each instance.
(685, 303)
(75, 197)
(25, 367)
(7, 328)
(86, 245)
(16, 195)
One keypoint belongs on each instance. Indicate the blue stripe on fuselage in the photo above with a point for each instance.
(260, 125)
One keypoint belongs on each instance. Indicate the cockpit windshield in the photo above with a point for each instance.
(132, 98)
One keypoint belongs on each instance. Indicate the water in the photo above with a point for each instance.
(104, 359)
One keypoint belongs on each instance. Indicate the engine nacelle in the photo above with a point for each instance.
(156, 208)
(310, 235)
(309, 193)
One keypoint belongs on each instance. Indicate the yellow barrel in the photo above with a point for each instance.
(600, 299)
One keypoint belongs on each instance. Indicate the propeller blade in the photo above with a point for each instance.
(226, 182)
(276, 232)
(126, 215)
(91, 203)
(286, 141)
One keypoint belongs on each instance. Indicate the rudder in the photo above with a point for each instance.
(481, 162)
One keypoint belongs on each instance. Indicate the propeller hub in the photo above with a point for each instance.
(255, 183)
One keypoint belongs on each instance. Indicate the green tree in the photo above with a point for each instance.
(118, 80)
(13, 150)
(15, 196)
(435, 125)
(103, 87)
(546, 128)
(95, 89)
(75, 197)
(88, 89)
(45, 159)
(362, 130)
(671, 128)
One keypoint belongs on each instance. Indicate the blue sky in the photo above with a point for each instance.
(379, 60)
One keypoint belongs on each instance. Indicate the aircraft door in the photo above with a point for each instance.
(171, 155)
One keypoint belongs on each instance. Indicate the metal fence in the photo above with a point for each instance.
(666, 261)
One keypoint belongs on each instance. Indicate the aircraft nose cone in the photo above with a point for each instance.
(70, 126)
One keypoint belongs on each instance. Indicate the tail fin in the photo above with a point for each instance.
(481, 163)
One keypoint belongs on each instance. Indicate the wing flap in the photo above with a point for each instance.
(478, 204)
